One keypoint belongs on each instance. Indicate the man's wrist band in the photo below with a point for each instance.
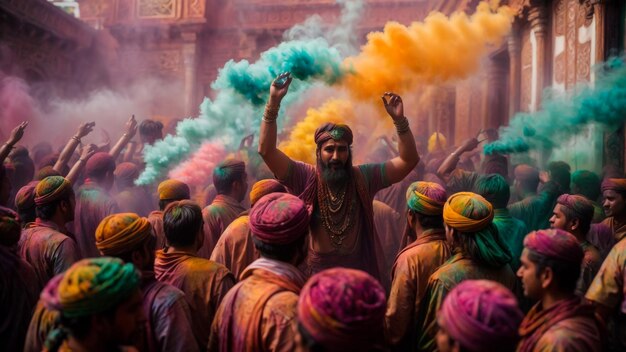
(402, 125)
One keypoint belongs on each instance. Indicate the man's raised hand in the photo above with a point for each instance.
(84, 129)
(17, 133)
(393, 105)
(279, 87)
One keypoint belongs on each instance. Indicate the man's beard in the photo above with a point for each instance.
(334, 173)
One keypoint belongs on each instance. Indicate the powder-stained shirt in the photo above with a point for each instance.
(204, 283)
(93, 204)
(512, 232)
(156, 220)
(413, 267)
(217, 216)
(235, 248)
(592, 260)
(450, 274)
(49, 251)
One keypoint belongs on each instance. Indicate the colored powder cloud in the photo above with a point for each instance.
(565, 115)
(198, 170)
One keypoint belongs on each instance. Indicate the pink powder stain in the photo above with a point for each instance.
(198, 170)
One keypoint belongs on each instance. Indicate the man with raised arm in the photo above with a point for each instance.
(338, 194)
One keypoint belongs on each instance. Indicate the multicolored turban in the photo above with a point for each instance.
(426, 198)
(481, 315)
(556, 244)
(614, 184)
(579, 205)
(437, 142)
(126, 173)
(52, 189)
(467, 212)
(333, 131)
(279, 218)
(121, 233)
(99, 164)
(264, 187)
(343, 309)
(173, 190)
(45, 172)
(91, 286)
(25, 197)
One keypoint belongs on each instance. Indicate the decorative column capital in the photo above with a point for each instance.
(538, 18)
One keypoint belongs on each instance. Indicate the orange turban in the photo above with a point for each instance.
(173, 190)
(119, 233)
(467, 212)
(614, 184)
(264, 187)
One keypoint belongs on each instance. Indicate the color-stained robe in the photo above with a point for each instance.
(217, 216)
(451, 273)
(204, 283)
(93, 204)
(259, 314)
(19, 291)
(49, 251)
(235, 248)
(413, 267)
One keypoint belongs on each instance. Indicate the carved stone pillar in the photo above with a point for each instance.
(538, 18)
(190, 63)
(495, 93)
(515, 69)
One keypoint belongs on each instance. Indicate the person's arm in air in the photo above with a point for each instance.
(131, 130)
(16, 135)
(397, 168)
(449, 164)
(83, 130)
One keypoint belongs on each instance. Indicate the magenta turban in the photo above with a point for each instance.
(343, 309)
(580, 205)
(126, 173)
(481, 315)
(279, 218)
(614, 184)
(333, 131)
(99, 164)
(556, 244)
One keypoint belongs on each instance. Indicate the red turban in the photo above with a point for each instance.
(614, 184)
(279, 218)
(99, 164)
(556, 244)
(264, 187)
(126, 173)
(481, 315)
(333, 131)
(173, 190)
(343, 309)
(51, 189)
(25, 197)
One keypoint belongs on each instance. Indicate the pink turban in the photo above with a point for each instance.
(25, 197)
(333, 131)
(99, 164)
(580, 205)
(264, 187)
(279, 218)
(556, 244)
(126, 173)
(614, 184)
(343, 309)
(481, 315)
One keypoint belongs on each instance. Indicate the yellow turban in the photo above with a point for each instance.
(120, 233)
(437, 142)
(467, 212)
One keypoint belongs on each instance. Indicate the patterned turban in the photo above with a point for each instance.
(91, 286)
(467, 212)
(120, 233)
(173, 190)
(343, 309)
(426, 198)
(51, 189)
(581, 206)
(264, 187)
(25, 197)
(556, 244)
(45, 172)
(279, 218)
(481, 315)
(614, 184)
(126, 173)
(437, 143)
(333, 131)
(99, 164)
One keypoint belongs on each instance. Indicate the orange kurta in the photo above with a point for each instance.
(235, 248)
(413, 267)
(259, 314)
(204, 283)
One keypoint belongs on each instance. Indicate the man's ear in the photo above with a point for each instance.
(574, 224)
(546, 277)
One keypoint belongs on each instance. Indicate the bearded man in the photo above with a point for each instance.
(338, 194)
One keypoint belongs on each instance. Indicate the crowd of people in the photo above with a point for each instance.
(453, 251)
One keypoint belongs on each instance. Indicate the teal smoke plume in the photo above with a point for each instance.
(566, 115)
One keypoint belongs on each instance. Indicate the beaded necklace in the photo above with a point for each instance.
(337, 210)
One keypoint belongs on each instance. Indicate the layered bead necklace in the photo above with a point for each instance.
(337, 211)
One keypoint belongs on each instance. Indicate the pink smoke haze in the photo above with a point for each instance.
(16, 104)
(198, 170)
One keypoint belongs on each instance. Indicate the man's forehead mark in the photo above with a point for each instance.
(337, 133)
